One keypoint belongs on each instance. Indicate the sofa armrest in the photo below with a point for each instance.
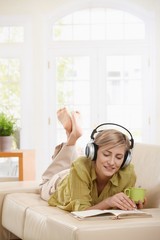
(10, 187)
(153, 197)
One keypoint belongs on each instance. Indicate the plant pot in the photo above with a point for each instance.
(5, 143)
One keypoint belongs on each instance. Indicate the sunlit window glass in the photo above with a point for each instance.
(123, 82)
(12, 34)
(10, 86)
(73, 86)
(99, 24)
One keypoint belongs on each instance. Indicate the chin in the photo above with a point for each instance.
(109, 174)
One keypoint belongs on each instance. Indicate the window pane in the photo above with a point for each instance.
(8, 168)
(4, 34)
(133, 65)
(61, 32)
(10, 86)
(98, 15)
(98, 32)
(99, 24)
(73, 86)
(114, 31)
(81, 17)
(131, 18)
(66, 20)
(12, 34)
(123, 83)
(114, 16)
(134, 31)
(81, 32)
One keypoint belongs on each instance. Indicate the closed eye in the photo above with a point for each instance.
(120, 157)
(106, 154)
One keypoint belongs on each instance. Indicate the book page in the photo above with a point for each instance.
(116, 213)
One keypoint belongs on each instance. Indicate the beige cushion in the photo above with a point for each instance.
(14, 210)
(146, 159)
(44, 224)
(29, 217)
(64, 226)
(10, 187)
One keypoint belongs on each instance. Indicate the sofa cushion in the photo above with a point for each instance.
(14, 210)
(29, 217)
(146, 160)
(10, 187)
(44, 225)
(59, 225)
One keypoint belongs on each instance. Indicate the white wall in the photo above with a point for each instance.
(38, 11)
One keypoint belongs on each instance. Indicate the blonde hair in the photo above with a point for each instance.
(112, 138)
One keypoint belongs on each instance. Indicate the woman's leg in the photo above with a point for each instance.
(64, 155)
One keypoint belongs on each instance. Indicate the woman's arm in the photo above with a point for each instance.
(119, 200)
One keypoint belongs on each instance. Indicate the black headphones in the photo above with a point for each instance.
(91, 148)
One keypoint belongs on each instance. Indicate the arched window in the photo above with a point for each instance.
(98, 24)
(99, 64)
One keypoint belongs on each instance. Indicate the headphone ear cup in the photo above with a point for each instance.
(127, 159)
(91, 151)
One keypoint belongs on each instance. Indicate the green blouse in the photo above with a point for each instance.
(78, 190)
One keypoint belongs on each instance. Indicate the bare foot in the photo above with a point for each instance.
(76, 128)
(65, 119)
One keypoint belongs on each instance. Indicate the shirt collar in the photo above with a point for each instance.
(93, 172)
(114, 179)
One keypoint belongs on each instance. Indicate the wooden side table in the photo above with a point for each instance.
(26, 163)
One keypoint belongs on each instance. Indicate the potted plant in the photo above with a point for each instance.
(7, 129)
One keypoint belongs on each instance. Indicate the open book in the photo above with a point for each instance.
(115, 213)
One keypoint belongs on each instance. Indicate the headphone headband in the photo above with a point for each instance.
(114, 124)
(91, 148)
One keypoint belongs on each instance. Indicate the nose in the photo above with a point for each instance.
(111, 160)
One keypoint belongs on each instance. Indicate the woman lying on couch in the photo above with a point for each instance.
(94, 181)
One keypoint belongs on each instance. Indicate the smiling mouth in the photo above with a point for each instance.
(109, 168)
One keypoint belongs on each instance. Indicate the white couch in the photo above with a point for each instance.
(26, 216)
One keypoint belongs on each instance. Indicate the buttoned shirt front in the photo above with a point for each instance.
(78, 190)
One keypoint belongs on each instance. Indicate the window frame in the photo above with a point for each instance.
(23, 52)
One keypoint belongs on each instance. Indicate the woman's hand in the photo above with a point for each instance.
(121, 201)
(140, 205)
(118, 201)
